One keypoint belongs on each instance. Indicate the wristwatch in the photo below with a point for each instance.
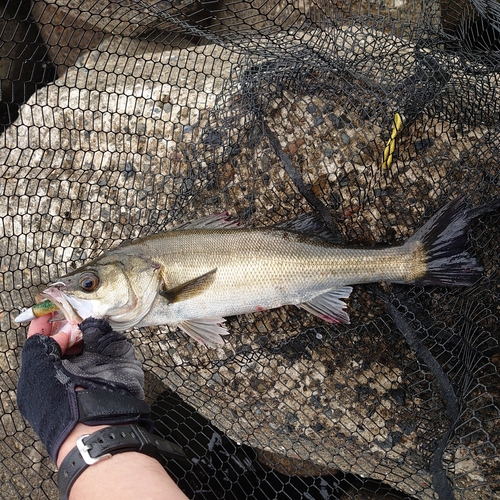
(103, 444)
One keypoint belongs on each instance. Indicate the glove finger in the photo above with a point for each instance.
(97, 334)
(98, 337)
(115, 345)
(39, 348)
(91, 336)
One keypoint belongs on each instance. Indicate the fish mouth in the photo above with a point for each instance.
(71, 319)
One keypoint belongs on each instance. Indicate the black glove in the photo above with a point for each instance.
(107, 370)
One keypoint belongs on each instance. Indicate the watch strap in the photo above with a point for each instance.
(107, 442)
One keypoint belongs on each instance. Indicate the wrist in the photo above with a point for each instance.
(110, 408)
(70, 442)
(99, 446)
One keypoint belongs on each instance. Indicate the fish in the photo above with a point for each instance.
(194, 276)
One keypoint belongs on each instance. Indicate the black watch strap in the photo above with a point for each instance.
(104, 443)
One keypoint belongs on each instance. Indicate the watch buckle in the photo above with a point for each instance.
(84, 451)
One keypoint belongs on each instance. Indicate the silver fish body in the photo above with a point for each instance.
(198, 274)
(257, 269)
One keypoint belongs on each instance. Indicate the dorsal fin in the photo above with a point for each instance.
(311, 225)
(190, 288)
(215, 221)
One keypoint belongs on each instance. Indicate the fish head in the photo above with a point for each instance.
(120, 289)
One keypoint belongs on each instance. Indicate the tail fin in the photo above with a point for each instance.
(443, 238)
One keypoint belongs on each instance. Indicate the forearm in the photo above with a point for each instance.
(124, 476)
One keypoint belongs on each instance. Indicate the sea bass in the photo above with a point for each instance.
(194, 276)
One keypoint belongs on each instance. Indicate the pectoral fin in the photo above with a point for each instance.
(190, 288)
(330, 306)
(207, 331)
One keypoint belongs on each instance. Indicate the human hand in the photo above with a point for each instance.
(44, 326)
(106, 370)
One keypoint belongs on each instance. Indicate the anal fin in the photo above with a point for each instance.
(206, 331)
(190, 288)
(329, 306)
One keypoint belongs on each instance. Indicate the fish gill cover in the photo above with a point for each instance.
(125, 118)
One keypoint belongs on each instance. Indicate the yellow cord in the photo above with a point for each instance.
(391, 143)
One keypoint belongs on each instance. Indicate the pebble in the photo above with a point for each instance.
(328, 152)
(318, 120)
(423, 144)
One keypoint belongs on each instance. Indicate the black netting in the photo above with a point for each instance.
(121, 119)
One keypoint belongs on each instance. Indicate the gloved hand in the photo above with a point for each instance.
(111, 377)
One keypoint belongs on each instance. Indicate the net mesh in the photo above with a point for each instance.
(122, 119)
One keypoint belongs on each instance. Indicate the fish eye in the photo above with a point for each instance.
(89, 282)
